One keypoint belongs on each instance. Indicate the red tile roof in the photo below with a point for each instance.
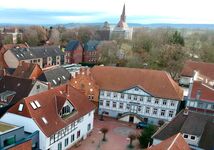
(206, 69)
(28, 71)
(207, 92)
(49, 101)
(176, 142)
(157, 83)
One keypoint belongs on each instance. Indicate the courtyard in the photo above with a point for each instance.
(117, 136)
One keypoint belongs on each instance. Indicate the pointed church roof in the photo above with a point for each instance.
(122, 23)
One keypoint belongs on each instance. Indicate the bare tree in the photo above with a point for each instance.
(104, 130)
(132, 137)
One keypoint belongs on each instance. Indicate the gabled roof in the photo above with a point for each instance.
(194, 124)
(176, 142)
(28, 71)
(91, 45)
(206, 69)
(157, 83)
(56, 75)
(36, 52)
(206, 92)
(49, 101)
(21, 87)
(72, 45)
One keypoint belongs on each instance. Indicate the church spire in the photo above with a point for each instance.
(123, 15)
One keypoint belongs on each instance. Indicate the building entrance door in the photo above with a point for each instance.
(131, 119)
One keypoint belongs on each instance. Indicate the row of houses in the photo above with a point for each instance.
(12, 55)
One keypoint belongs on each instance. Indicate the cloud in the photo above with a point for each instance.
(138, 11)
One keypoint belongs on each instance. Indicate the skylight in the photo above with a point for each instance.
(20, 107)
(63, 77)
(54, 82)
(44, 120)
(37, 103)
(33, 105)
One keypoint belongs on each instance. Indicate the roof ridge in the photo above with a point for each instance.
(162, 127)
(173, 142)
(174, 85)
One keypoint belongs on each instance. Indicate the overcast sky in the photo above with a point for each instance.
(89, 11)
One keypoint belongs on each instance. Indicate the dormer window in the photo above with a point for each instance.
(192, 137)
(66, 110)
(185, 136)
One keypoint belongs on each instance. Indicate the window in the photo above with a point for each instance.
(89, 127)
(72, 138)
(60, 146)
(141, 98)
(192, 137)
(20, 107)
(164, 102)
(38, 60)
(172, 104)
(66, 142)
(78, 134)
(115, 95)
(108, 94)
(102, 93)
(136, 89)
(129, 97)
(122, 96)
(52, 139)
(114, 105)
(135, 98)
(163, 112)
(9, 141)
(185, 136)
(147, 110)
(107, 103)
(171, 113)
(139, 108)
(127, 106)
(121, 106)
(200, 105)
(155, 110)
(212, 107)
(149, 100)
(38, 87)
(156, 101)
(101, 103)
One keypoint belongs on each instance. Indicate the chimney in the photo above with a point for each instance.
(87, 71)
(67, 89)
(49, 85)
(186, 111)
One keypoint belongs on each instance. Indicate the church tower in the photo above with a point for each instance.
(122, 23)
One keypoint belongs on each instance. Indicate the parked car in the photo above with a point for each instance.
(141, 125)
